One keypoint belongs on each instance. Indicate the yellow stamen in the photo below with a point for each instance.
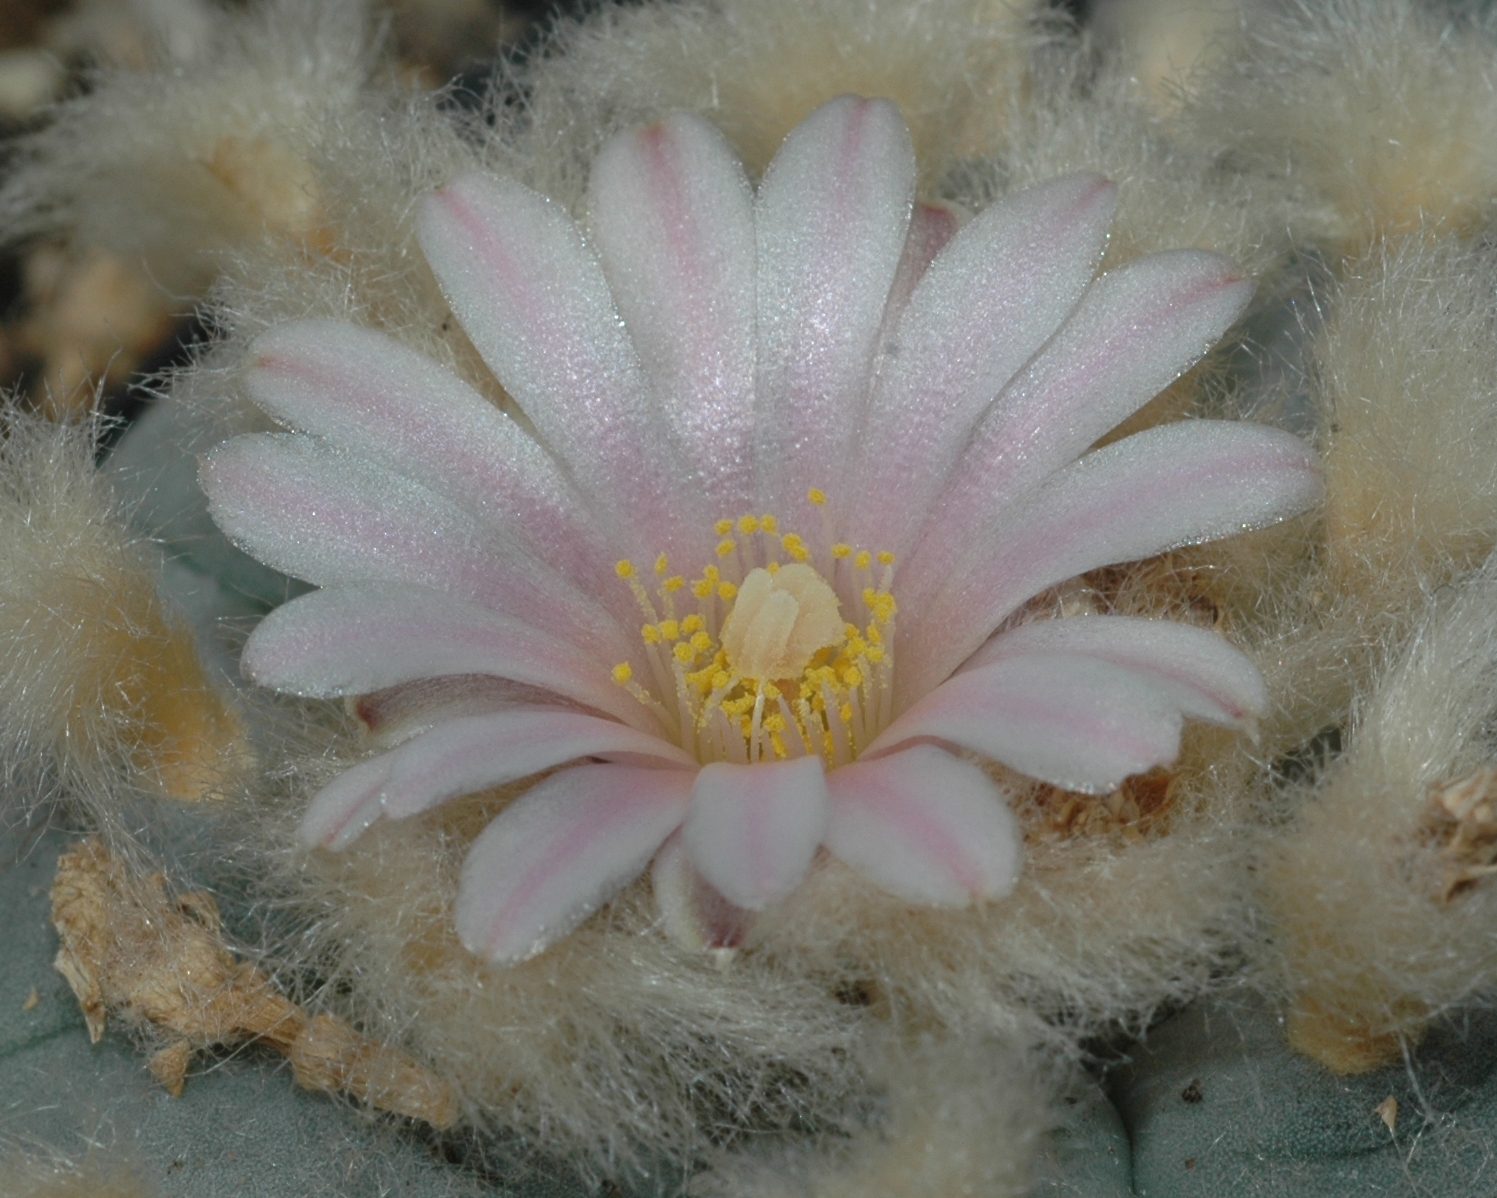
(817, 496)
(623, 672)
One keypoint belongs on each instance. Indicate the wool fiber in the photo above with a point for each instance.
(1380, 116)
(1376, 924)
(100, 683)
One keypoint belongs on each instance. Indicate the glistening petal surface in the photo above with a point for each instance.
(1203, 674)
(533, 299)
(925, 825)
(460, 756)
(328, 517)
(1078, 722)
(992, 297)
(1178, 484)
(753, 829)
(1134, 332)
(353, 640)
(366, 393)
(672, 216)
(560, 851)
(830, 219)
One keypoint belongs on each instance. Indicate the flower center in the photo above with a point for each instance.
(761, 660)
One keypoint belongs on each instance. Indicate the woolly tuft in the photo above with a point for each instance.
(1381, 115)
(756, 70)
(177, 164)
(955, 1118)
(100, 683)
(616, 1050)
(1381, 908)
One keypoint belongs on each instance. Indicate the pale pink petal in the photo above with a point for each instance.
(351, 640)
(926, 826)
(382, 401)
(397, 713)
(694, 914)
(1002, 286)
(532, 298)
(1175, 485)
(465, 755)
(673, 221)
(560, 851)
(1135, 331)
(305, 509)
(1077, 722)
(1204, 675)
(831, 219)
(753, 829)
(932, 225)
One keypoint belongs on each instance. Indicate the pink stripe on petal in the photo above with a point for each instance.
(831, 219)
(672, 217)
(560, 851)
(1135, 331)
(368, 394)
(753, 829)
(533, 299)
(305, 509)
(1204, 675)
(353, 640)
(926, 826)
(461, 756)
(1179, 484)
(997, 291)
(1076, 722)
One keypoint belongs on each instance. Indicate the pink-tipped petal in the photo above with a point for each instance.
(1001, 287)
(1076, 722)
(1178, 484)
(367, 394)
(673, 220)
(1136, 330)
(1204, 675)
(753, 829)
(831, 219)
(532, 298)
(926, 826)
(461, 756)
(692, 911)
(352, 640)
(300, 506)
(562, 850)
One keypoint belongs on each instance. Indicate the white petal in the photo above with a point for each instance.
(1175, 485)
(991, 298)
(353, 640)
(461, 756)
(1135, 331)
(926, 826)
(692, 911)
(1077, 722)
(303, 508)
(533, 299)
(672, 217)
(368, 394)
(1203, 675)
(831, 219)
(562, 850)
(753, 829)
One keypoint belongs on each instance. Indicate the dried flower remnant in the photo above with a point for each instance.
(129, 949)
(900, 452)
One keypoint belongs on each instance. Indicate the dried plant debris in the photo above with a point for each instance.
(1461, 821)
(157, 961)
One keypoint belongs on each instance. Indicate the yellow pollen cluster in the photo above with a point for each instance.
(836, 689)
